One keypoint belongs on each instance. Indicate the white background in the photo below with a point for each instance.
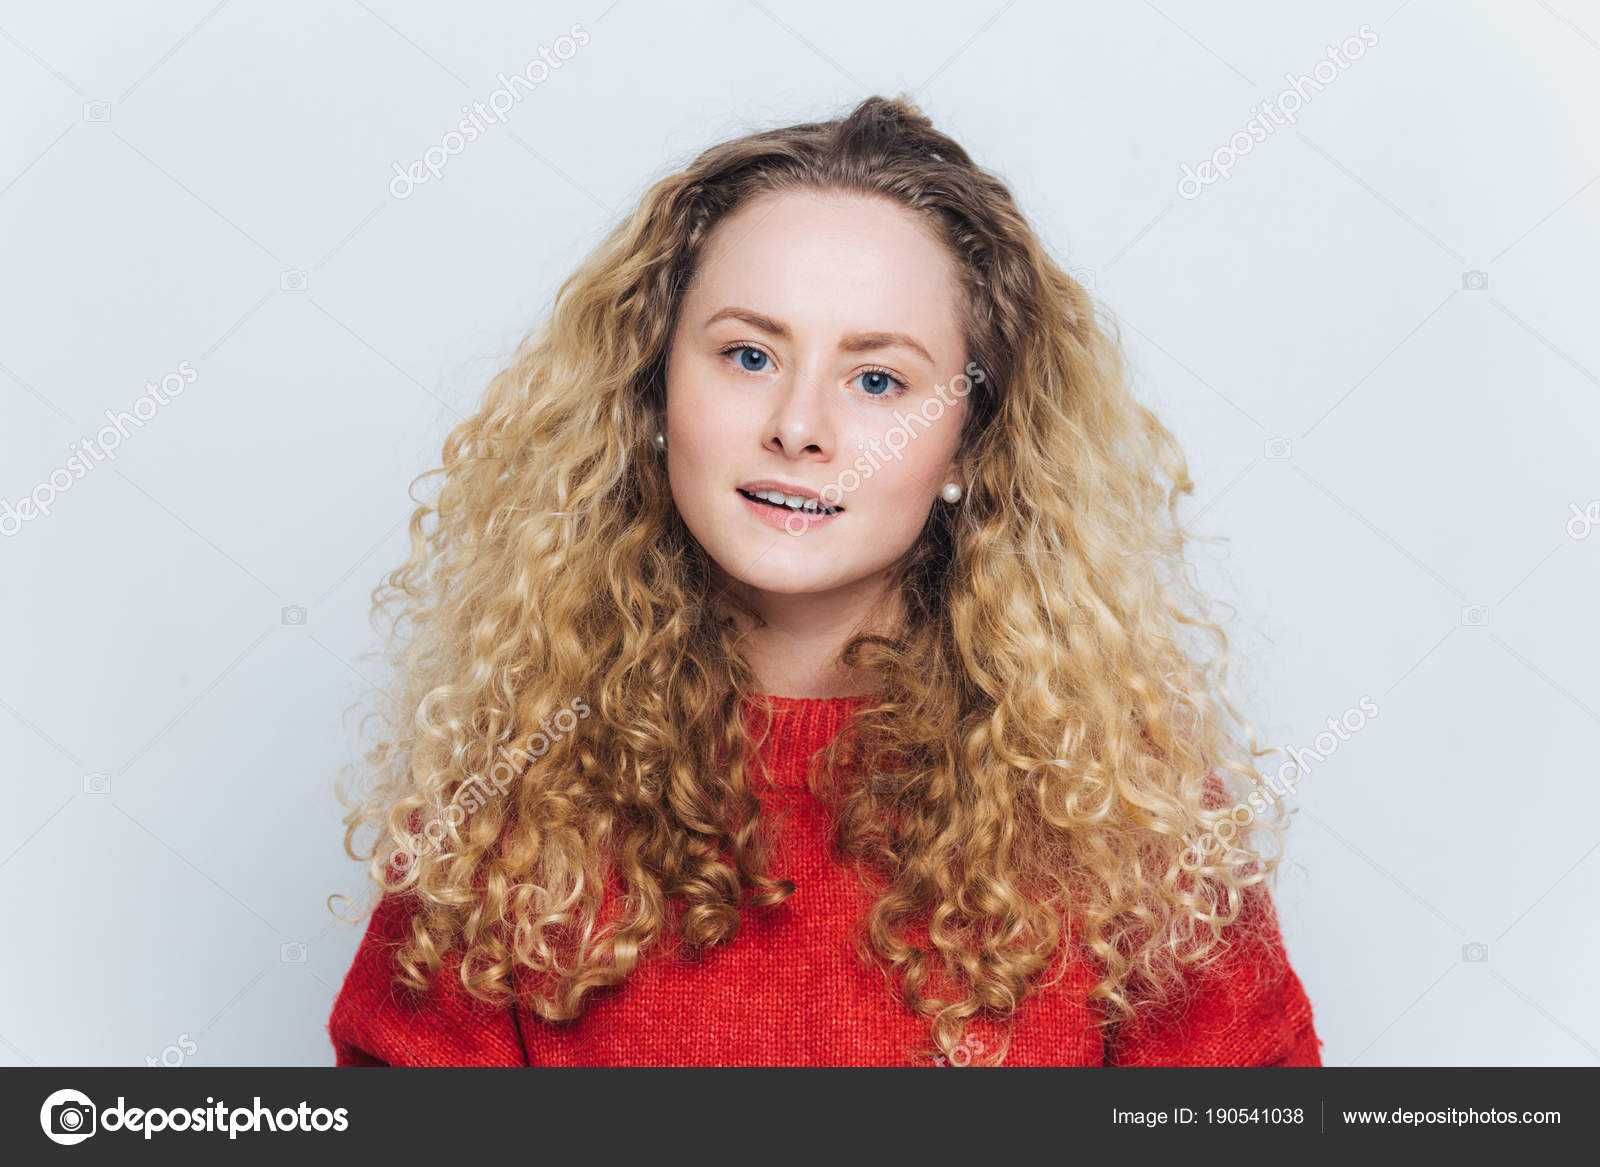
(210, 183)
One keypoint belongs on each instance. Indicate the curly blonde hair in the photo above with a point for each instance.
(1055, 737)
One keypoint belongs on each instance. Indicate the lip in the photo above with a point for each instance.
(794, 522)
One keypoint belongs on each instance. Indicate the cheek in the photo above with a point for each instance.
(707, 446)
(708, 440)
(914, 464)
(688, 416)
(896, 527)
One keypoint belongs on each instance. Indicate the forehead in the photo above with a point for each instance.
(831, 259)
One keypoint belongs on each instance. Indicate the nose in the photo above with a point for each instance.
(800, 423)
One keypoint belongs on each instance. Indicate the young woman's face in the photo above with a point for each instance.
(807, 355)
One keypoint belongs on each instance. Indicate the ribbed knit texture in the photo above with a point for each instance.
(789, 989)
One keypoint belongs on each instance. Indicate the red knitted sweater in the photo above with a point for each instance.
(789, 989)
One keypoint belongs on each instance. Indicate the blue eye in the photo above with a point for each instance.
(746, 352)
(884, 385)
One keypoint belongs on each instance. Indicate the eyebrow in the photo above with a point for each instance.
(859, 342)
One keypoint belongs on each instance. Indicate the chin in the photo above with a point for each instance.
(766, 576)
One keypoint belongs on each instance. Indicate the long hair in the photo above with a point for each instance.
(569, 683)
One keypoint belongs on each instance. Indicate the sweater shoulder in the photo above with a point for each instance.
(379, 1020)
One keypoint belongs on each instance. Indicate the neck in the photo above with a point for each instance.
(795, 651)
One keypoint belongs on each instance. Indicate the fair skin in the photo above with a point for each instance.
(834, 298)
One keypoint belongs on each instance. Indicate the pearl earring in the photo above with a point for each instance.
(951, 492)
(661, 439)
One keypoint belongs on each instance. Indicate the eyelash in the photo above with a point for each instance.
(900, 386)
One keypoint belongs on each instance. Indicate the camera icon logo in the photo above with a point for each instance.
(293, 952)
(294, 614)
(1474, 281)
(97, 783)
(1475, 615)
(97, 111)
(68, 1117)
(1475, 953)
(293, 280)
(1278, 449)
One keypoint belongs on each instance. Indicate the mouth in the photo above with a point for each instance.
(780, 502)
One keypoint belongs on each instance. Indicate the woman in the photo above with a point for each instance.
(795, 670)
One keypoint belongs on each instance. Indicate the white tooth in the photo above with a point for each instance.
(792, 501)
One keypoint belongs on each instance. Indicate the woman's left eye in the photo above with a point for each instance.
(880, 383)
(883, 383)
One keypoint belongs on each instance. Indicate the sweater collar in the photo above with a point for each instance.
(800, 727)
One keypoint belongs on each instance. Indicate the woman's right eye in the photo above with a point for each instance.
(748, 352)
